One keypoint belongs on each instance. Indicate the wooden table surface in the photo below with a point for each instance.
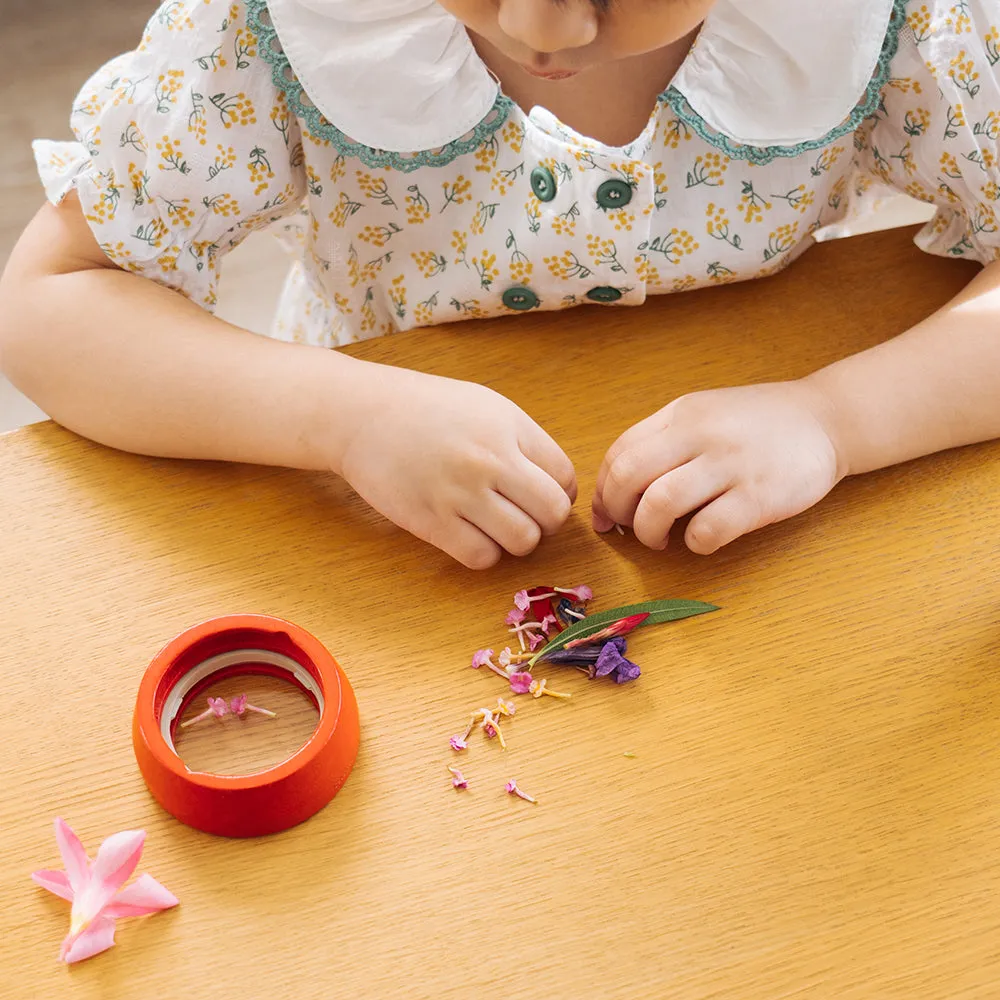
(813, 805)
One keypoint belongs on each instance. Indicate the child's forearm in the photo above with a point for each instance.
(135, 366)
(934, 387)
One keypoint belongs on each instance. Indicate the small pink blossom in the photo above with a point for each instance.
(535, 640)
(505, 657)
(547, 623)
(458, 779)
(238, 705)
(520, 682)
(458, 743)
(218, 706)
(582, 593)
(95, 889)
(521, 600)
(515, 616)
(482, 658)
(512, 789)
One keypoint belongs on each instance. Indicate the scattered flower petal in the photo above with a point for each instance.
(581, 593)
(582, 656)
(506, 707)
(512, 789)
(630, 754)
(238, 705)
(547, 623)
(538, 688)
(95, 890)
(520, 683)
(516, 615)
(457, 743)
(218, 706)
(458, 779)
(620, 627)
(535, 640)
(521, 600)
(612, 662)
(628, 671)
(481, 657)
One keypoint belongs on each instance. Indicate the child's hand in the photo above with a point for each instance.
(747, 456)
(457, 465)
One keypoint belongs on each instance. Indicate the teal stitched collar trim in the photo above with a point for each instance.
(867, 106)
(259, 21)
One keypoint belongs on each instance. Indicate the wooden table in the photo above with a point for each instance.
(813, 808)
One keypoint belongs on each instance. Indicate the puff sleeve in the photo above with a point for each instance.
(183, 147)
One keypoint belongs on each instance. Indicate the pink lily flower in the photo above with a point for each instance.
(515, 616)
(520, 682)
(95, 889)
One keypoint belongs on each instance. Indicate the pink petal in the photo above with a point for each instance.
(515, 616)
(239, 704)
(116, 860)
(535, 640)
(218, 706)
(621, 627)
(481, 657)
(74, 856)
(521, 600)
(457, 743)
(144, 895)
(520, 683)
(55, 882)
(98, 937)
(581, 593)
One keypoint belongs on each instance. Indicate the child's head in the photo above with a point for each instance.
(556, 36)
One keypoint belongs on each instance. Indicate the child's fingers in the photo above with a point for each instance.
(675, 494)
(724, 520)
(634, 470)
(505, 523)
(465, 543)
(637, 432)
(540, 448)
(540, 497)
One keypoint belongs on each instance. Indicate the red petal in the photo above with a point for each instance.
(620, 627)
(539, 609)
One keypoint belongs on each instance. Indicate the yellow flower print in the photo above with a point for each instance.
(456, 193)
(168, 86)
(168, 260)
(124, 93)
(198, 119)
(660, 188)
(281, 120)
(799, 198)
(224, 160)
(483, 215)
(678, 243)
(223, 204)
(378, 236)
(675, 133)
(429, 263)
(752, 205)
(684, 284)
(564, 224)
(485, 267)
(622, 219)
(104, 208)
(486, 155)
(343, 303)
(931, 69)
(718, 227)
(470, 308)
(940, 223)
(946, 191)
(708, 169)
(989, 126)
(91, 105)
(370, 271)
(261, 173)
(604, 253)
(132, 136)
(958, 18)
(984, 158)
(990, 40)
(138, 180)
(173, 15)
(949, 166)
(344, 210)
(962, 71)
(418, 209)
(234, 109)
(513, 135)
(919, 22)
(375, 188)
(503, 180)
(916, 121)
(151, 233)
(533, 211)
(646, 270)
(906, 85)
(460, 243)
(983, 220)
(423, 312)
(825, 161)
(180, 213)
(719, 274)
(916, 190)
(245, 47)
(567, 266)
(397, 295)
(121, 255)
(171, 155)
(520, 270)
(781, 240)
(368, 312)
(991, 191)
(313, 182)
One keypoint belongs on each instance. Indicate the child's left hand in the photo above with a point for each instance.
(746, 456)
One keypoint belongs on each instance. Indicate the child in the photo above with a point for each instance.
(669, 144)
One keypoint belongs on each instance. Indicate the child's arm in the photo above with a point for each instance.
(749, 456)
(136, 366)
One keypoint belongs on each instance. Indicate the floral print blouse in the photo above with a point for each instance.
(203, 135)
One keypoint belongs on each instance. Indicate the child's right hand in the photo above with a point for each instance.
(455, 464)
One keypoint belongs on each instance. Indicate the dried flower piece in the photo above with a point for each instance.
(621, 627)
(520, 683)
(458, 743)
(630, 754)
(612, 662)
(458, 779)
(484, 658)
(581, 594)
(512, 789)
(582, 656)
(515, 616)
(538, 688)
(218, 707)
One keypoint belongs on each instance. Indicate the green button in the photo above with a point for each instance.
(519, 298)
(604, 293)
(614, 194)
(543, 184)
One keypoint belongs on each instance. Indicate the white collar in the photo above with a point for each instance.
(402, 75)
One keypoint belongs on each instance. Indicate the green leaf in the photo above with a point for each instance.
(659, 611)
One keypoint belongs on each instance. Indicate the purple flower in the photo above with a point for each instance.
(584, 656)
(610, 661)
